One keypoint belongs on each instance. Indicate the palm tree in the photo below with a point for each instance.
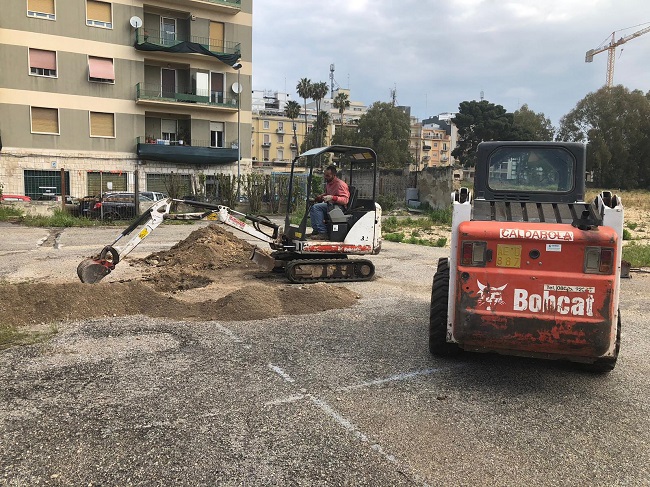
(304, 91)
(341, 101)
(318, 92)
(292, 111)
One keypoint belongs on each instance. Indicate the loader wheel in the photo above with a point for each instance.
(438, 315)
(607, 364)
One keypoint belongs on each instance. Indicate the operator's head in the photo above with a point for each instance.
(330, 173)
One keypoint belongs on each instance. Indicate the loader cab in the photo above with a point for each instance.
(357, 166)
(540, 172)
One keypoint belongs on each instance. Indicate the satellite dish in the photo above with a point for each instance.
(237, 88)
(136, 22)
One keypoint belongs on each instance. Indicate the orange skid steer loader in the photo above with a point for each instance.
(534, 269)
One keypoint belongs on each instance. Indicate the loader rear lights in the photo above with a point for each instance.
(473, 254)
(599, 260)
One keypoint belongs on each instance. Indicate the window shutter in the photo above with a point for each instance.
(98, 11)
(42, 59)
(102, 124)
(101, 68)
(216, 36)
(41, 6)
(45, 120)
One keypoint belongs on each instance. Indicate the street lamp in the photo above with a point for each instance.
(237, 88)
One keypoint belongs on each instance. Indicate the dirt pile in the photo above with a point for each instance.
(207, 276)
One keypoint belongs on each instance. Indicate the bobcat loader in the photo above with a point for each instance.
(534, 269)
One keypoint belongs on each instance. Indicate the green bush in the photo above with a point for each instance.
(390, 224)
(394, 237)
(626, 234)
(441, 216)
(637, 255)
(441, 242)
(387, 202)
(632, 225)
(9, 212)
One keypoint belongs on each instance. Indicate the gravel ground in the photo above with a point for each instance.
(342, 397)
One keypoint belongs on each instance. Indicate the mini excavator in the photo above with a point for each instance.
(352, 230)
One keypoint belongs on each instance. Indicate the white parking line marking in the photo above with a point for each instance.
(281, 373)
(228, 332)
(285, 400)
(394, 378)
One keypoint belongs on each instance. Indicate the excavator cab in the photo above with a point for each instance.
(357, 166)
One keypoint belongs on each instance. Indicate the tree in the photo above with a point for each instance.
(479, 121)
(386, 129)
(533, 126)
(616, 125)
(319, 132)
(318, 92)
(341, 102)
(304, 91)
(292, 112)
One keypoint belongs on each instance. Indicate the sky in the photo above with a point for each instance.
(436, 54)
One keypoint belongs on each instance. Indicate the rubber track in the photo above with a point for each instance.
(338, 275)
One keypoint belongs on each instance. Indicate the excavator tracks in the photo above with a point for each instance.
(329, 270)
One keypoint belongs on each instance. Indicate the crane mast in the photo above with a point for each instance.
(611, 52)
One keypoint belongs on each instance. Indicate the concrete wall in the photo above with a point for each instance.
(435, 185)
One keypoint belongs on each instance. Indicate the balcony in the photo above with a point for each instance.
(225, 6)
(152, 94)
(156, 40)
(426, 147)
(280, 131)
(266, 144)
(187, 152)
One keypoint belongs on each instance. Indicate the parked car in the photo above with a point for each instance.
(119, 206)
(14, 197)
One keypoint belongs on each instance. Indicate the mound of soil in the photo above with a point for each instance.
(207, 276)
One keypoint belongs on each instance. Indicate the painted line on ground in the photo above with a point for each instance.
(281, 373)
(394, 378)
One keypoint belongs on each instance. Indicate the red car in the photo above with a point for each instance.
(14, 197)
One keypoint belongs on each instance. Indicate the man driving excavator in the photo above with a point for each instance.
(336, 192)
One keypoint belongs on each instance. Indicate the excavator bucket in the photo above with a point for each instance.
(91, 271)
(262, 259)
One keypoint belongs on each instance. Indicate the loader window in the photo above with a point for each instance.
(531, 169)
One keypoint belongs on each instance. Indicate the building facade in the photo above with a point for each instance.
(430, 145)
(98, 95)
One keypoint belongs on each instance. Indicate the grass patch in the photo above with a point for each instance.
(626, 234)
(631, 225)
(9, 212)
(11, 336)
(394, 237)
(637, 255)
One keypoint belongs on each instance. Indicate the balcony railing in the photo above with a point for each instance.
(157, 93)
(227, 5)
(266, 144)
(192, 151)
(170, 39)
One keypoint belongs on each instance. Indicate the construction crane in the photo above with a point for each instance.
(611, 52)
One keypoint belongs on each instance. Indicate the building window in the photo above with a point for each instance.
(101, 70)
(45, 120)
(266, 124)
(267, 139)
(216, 134)
(280, 126)
(102, 124)
(281, 138)
(265, 154)
(42, 63)
(281, 154)
(169, 129)
(99, 14)
(41, 9)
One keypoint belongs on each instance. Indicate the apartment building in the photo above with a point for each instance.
(98, 95)
(431, 143)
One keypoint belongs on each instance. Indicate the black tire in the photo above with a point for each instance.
(438, 344)
(607, 364)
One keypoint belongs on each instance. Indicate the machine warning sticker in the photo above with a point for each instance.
(554, 247)
(553, 235)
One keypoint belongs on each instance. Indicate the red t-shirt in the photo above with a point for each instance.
(339, 190)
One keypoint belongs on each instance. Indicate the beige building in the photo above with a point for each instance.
(430, 144)
(100, 95)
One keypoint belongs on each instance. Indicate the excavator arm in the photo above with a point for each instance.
(94, 269)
